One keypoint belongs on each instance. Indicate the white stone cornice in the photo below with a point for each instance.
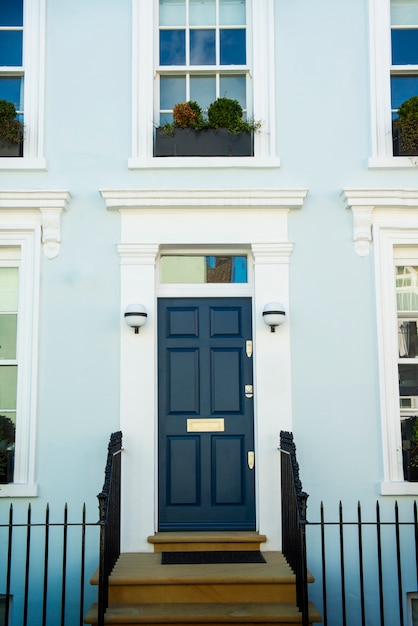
(49, 204)
(267, 253)
(365, 202)
(119, 199)
(138, 254)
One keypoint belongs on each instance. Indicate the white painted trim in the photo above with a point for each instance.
(27, 239)
(48, 207)
(154, 220)
(386, 218)
(144, 44)
(34, 87)
(380, 62)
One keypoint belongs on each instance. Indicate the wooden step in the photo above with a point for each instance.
(205, 614)
(139, 578)
(187, 541)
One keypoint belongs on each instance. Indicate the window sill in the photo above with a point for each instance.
(392, 162)
(398, 488)
(17, 163)
(203, 162)
(19, 490)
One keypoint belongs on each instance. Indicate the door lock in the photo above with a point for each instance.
(251, 459)
(249, 391)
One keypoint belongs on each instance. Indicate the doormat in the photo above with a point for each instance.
(214, 556)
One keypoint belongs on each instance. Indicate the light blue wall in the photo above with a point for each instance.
(324, 140)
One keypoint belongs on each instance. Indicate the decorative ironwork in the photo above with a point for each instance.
(109, 510)
(294, 503)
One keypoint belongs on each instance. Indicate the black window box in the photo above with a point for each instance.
(184, 142)
(8, 149)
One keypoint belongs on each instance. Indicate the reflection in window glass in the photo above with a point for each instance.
(405, 46)
(203, 269)
(203, 90)
(202, 47)
(233, 46)
(11, 12)
(11, 89)
(172, 12)
(232, 12)
(407, 305)
(202, 13)
(172, 47)
(11, 48)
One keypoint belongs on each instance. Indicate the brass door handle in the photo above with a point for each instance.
(251, 459)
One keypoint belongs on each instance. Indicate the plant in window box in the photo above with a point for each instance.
(223, 133)
(7, 445)
(11, 131)
(405, 129)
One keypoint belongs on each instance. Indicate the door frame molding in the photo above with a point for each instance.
(156, 219)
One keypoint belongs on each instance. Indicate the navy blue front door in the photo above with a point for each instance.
(206, 430)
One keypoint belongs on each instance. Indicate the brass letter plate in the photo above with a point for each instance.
(214, 425)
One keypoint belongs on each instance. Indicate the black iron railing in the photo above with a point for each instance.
(365, 569)
(109, 506)
(294, 521)
(42, 567)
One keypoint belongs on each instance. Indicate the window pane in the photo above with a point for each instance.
(403, 88)
(234, 87)
(172, 12)
(11, 13)
(404, 12)
(8, 326)
(203, 269)
(172, 47)
(8, 386)
(8, 288)
(202, 47)
(405, 46)
(203, 90)
(172, 91)
(232, 12)
(11, 48)
(202, 13)
(233, 46)
(409, 430)
(11, 89)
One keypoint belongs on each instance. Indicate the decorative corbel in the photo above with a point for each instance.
(51, 231)
(362, 229)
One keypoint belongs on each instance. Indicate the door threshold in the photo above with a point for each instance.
(181, 541)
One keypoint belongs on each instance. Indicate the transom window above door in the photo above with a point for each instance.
(194, 269)
(202, 54)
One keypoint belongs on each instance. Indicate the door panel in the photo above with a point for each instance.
(204, 478)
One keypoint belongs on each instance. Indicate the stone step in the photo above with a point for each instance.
(239, 614)
(139, 578)
(207, 540)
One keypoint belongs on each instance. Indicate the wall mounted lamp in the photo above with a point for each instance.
(136, 316)
(273, 315)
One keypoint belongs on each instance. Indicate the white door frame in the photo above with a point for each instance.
(255, 220)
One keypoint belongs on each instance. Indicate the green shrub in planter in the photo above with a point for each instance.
(11, 130)
(406, 127)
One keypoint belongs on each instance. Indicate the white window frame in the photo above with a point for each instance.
(144, 79)
(33, 105)
(384, 219)
(29, 220)
(380, 73)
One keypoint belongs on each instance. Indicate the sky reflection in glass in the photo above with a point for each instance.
(11, 89)
(403, 88)
(202, 47)
(232, 46)
(172, 47)
(203, 90)
(405, 47)
(11, 12)
(11, 48)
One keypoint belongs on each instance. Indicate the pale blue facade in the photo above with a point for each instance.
(324, 128)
